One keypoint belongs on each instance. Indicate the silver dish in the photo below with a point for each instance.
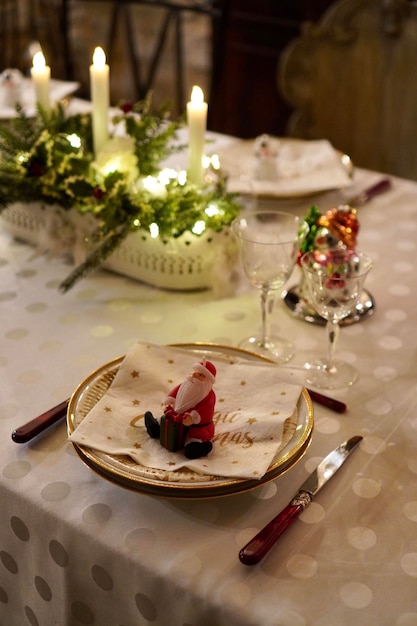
(301, 309)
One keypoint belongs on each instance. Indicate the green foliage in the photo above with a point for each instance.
(152, 134)
(311, 218)
(37, 161)
(49, 158)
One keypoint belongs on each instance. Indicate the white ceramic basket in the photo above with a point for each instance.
(188, 262)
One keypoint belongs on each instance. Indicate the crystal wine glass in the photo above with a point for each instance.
(335, 278)
(269, 243)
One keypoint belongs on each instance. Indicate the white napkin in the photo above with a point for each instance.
(301, 167)
(251, 409)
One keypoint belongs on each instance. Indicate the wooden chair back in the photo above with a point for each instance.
(352, 79)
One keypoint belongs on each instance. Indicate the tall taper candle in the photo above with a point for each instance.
(100, 98)
(41, 75)
(197, 122)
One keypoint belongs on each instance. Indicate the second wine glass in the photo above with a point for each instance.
(269, 243)
(335, 279)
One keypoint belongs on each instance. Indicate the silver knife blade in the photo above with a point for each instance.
(329, 466)
(258, 546)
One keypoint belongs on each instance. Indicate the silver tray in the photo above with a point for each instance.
(301, 309)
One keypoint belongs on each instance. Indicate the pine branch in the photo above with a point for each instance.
(96, 258)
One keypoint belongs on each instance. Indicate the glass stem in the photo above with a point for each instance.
(267, 306)
(332, 328)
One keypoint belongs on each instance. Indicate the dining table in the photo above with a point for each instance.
(80, 548)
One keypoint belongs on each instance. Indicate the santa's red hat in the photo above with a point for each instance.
(207, 368)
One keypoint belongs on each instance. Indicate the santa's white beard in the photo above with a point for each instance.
(190, 393)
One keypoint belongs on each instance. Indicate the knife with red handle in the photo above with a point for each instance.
(329, 403)
(40, 423)
(365, 196)
(255, 550)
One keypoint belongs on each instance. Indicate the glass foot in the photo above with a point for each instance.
(277, 349)
(320, 375)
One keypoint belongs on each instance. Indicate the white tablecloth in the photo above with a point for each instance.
(76, 549)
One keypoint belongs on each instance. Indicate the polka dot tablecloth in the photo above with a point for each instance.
(76, 549)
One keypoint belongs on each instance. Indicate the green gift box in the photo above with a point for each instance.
(172, 434)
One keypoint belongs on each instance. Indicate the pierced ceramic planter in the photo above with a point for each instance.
(189, 262)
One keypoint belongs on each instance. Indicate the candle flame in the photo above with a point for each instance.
(197, 95)
(99, 57)
(39, 60)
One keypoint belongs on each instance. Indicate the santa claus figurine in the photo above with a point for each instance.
(188, 414)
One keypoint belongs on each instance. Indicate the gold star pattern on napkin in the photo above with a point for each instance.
(249, 417)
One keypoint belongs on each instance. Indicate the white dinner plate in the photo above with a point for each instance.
(183, 483)
(303, 168)
(59, 89)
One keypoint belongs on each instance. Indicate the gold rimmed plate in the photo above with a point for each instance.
(184, 483)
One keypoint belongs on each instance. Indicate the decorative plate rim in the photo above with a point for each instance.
(112, 467)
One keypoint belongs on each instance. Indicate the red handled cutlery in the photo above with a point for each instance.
(40, 423)
(365, 196)
(258, 547)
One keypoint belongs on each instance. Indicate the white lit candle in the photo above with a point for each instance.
(197, 121)
(100, 97)
(41, 76)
